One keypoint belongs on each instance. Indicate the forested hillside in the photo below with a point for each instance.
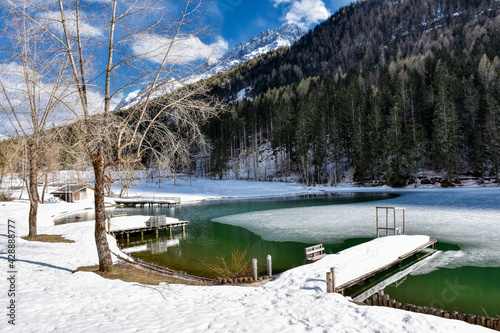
(385, 89)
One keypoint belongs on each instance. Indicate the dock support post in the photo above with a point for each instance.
(330, 280)
(170, 231)
(332, 270)
(109, 225)
(254, 267)
(142, 235)
(156, 233)
(269, 266)
(128, 237)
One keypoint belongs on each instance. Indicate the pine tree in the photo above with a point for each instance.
(445, 124)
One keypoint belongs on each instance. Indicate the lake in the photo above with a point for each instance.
(464, 277)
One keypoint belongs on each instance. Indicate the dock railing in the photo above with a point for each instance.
(387, 228)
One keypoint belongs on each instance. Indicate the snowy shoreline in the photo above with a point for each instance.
(51, 297)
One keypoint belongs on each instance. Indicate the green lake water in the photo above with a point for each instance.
(204, 240)
(467, 289)
(473, 290)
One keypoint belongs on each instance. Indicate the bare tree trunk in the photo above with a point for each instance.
(32, 192)
(105, 262)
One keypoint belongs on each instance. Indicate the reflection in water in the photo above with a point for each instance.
(157, 245)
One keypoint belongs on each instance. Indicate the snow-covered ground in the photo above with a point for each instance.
(50, 297)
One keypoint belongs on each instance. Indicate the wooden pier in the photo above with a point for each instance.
(151, 201)
(341, 288)
(154, 223)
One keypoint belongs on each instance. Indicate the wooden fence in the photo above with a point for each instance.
(379, 299)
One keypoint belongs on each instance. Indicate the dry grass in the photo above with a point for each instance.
(239, 265)
(48, 239)
(131, 274)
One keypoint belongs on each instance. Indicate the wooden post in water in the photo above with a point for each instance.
(109, 225)
(254, 266)
(269, 266)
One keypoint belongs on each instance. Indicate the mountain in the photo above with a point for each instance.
(367, 34)
(383, 92)
(265, 42)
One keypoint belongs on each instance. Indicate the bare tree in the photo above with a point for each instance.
(128, 175)
(30, 91)
(148, 41)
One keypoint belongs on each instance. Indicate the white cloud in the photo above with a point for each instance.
(279, 2)
(304, 13)
(180, 51)
(53, 21)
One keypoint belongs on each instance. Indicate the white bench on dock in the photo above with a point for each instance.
(157, 221)
(314, 253)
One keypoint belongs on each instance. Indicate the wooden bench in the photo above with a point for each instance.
(158, 221)
(314, 253)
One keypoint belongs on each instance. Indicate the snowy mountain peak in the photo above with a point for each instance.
(266, 41)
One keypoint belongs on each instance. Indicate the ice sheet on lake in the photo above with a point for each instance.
(467, 217)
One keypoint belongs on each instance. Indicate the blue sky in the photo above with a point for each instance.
(240, 20)
(234, 20)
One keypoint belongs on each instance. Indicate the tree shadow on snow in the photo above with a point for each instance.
(40, 264)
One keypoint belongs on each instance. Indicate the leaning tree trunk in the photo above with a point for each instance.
(32, 192)
(105, 262)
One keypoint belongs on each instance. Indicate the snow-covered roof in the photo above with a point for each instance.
(70, 189)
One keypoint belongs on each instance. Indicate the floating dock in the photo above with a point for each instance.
(148, 201)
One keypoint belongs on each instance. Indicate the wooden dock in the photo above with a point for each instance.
(148, 201)
(154, 223)
(341, 288)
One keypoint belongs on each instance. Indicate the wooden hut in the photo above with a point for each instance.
(72, 193)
